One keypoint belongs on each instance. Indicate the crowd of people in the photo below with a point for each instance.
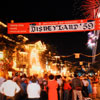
(48, 87)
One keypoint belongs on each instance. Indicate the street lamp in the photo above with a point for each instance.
(2, 24)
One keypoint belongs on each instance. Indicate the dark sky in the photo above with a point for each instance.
(49, 10)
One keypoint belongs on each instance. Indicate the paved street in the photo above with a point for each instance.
(98, 92)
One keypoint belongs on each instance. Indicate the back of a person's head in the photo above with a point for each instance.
(58, 76)
(10, 78)
(51, 76)
(23, 79)
(24, 76)
(45, 75)
(16, 74)
(75, 75)
(34, 79)
(65, 77)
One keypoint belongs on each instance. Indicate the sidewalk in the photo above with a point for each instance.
(92, 99)
(98, 92)
(98, 98)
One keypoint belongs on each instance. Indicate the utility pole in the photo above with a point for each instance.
(96, 34)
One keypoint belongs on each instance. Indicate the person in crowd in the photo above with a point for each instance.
(33, 90)
(40, 80)
(24, 86)
(44, 94)
(17, 76)
(45, 82)
(52, 88)
(85, 87)
(96, 79)
(20, 94)
(67, 88)
(89, 86)
(64, 81)
(60, 82)
(76, 87)
(29, 80)
(94, 88)
(2, 97)
(9, 88)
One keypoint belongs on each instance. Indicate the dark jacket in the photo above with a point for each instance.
(76, 82)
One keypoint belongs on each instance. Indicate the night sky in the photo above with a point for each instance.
(49, 10)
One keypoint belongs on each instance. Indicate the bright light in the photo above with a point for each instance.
(34, 61)
(1, 55)
(34, 57)
(77, 55)
(63, 71)
(9, 73)
(91, 34)
(98, 15)
(81, 62)
(48, 68)
(92, 38)
(53, 71)
(4, 25)
(24, 53)
(91, 44)
(57, 57)
(14, 65)
(39, 46)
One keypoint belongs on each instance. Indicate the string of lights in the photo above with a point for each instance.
(81, 54)
(67, 56)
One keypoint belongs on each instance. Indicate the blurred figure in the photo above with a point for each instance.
(52, 88)
(60, 82)
(94, 89)
(45, 82)
(76, 87)
(44, 94)
(9, 88)
(33, 90)
(20, 94)
(23, 86)
(29, 80)
(2, 97)
(85, 87)
(89, 86)
(67, 88)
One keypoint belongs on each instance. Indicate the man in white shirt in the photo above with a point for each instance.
(9, 89)
(33, 90)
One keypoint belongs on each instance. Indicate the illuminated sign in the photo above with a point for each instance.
(54, 26)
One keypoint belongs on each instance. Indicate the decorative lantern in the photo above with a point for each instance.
(81, 62)
(77, 55)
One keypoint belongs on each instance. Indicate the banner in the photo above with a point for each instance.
(53, 26)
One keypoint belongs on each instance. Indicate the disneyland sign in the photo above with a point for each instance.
(54, 26)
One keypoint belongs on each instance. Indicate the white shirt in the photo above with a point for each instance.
(33, 90)
(9, 88)
(85, 82)
(59, 81)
